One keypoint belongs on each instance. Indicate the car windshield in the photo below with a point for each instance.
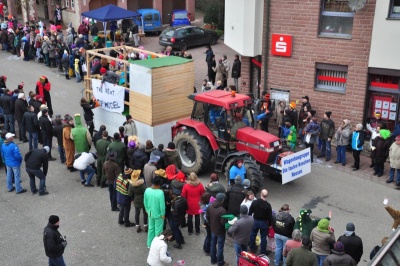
(148, 17)
(180, 15)
(169, 32)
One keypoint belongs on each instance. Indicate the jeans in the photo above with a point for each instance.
(21, 131)
(217, 255)
(46, 59)
(33, 140)
(341, 154)
(326, 148)
(238, 249)
(196, 223)
(263, 227)
(391, 175)
(356, 156)
(59, 261)
(9, 123)
(113, 196)
(77, 76)
(320, 259)
(42, 179)
(137, 216)
(207, 240)
(124, 213)
(62, 154)
(280, 242)
(177, 231)
(17, 178)
(89, 171)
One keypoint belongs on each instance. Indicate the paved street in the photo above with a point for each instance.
(95, 238)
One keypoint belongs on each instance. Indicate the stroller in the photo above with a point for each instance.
(250, 259)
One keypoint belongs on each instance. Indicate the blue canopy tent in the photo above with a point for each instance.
(109, 13)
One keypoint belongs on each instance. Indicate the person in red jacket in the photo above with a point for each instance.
(192, 192)
(43, 87)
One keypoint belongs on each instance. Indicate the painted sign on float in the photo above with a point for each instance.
(110, 96)
(281, 44)
(296, 165)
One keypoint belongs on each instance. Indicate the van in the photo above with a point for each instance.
(180, 17)
(151, 19)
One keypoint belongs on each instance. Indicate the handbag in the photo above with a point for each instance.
(308, 137)
(70, 72)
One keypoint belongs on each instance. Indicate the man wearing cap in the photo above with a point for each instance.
(241, 231)
(353, 244)
(37, 163)
(302, 256)
(179, 206)
(54, 243)
(284, 224)
(150, 169)
(85, 163)
(101, 148)
(154, 203)
(12, 159)
(338, 256)
(120, 149)
(326, 134)
(7, 104)
(20, 108)
(214, 214)
(31, 124)
(238, 169)
(394, 158)
(111, 170)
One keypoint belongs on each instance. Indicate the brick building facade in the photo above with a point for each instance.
(328, 62)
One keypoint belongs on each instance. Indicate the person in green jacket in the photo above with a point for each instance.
(81, 136)
(118, 147)
(154, 203)
(292, 138)
(302, 255)
(101, 148)
(304, 222)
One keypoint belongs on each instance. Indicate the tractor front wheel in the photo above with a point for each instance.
(253, 172)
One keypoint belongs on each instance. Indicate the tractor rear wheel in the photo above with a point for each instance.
(253, 173)
(194, 150)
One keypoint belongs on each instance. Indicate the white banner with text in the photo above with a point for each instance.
(296, 165)
(110, 96)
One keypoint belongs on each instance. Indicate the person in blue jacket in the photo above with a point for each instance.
(357, 143)
(13, 159)
(238, 169)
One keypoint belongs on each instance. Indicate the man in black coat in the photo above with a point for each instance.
(353, 245)
(35, 160)
(54, 243)
(20, 108)
(7, 103)
(47, 131)
(236, 71)
(162, 163)
(235, 196)
(177, 217)
(31, 124)
(139, 159)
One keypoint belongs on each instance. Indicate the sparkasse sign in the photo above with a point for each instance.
(281, 44)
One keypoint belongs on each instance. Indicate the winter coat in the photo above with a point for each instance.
(65, 63)
(279, 109)
(173, 158)
(357, 140)
(149, 173)
(45, 47)
(11, 37)
(220, 71)
(58, 133)
(87, 110)
(101, 148)
(19, 109)
(81, 136)
(343, 134)
(136, 191)
(234, 198)
(30, 121)
(111, 170)
(192, 192)
(214, 214)
(158, 252)
(302, 114)
(313, 129)
(177, 186)
(120, 149)
(122, 186)
(381, 151)
(68, 143)
(241, 229)
(290, 245)
(214, 188)
(327, 127)
(11, 154)
(83, 160)
(36, 159)
(301, 257)
(162, 162)
(69, 39)
(321, 242)
(353, 246)
(139, 160)
(7, 103)
(394, 156)
(236, 69)
(339, 259)
(179, 209)
(130, 129)
(52, 240)
(46, 126)
(284, 224)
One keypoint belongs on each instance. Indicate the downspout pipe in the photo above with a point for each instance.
(266, 53)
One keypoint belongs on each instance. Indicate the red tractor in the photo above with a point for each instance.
(223, 131)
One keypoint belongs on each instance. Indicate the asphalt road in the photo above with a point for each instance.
(95, 238)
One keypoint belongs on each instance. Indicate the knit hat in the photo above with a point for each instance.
(160, 172)
(128, 171)
(131, 144)
(181, 177)
(246, 183)
(171, 146)
(238, 179)
(328, 114)
(220, 197)
(350, 227)
(323, 225)
(103, 70)
(243, 209)
(296, 235)
(53, 219)
(171, 172)
(292, 105)
(153, 158)
(338, 246)
(213, 177)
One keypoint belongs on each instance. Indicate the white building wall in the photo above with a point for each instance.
(244, 25)
(385, 43)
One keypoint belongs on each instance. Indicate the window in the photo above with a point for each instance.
(336, 19)
(394, 9)
(383, 82)
(156, 17)
(72, 4)
(67, 3)
(331, 78)
(148, 17)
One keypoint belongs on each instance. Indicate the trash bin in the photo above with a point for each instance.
(108, 44)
